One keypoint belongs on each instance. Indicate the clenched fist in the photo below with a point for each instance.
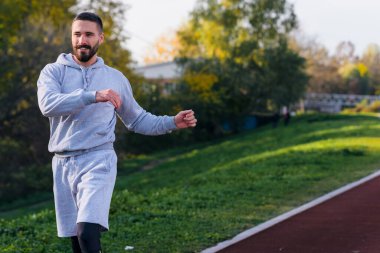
(108, 96)
(185, 119)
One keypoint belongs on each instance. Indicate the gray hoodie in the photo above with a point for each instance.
(66, 94)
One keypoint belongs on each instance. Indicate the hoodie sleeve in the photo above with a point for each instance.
(52, 102)
(136, 119)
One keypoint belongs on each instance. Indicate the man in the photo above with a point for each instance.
(82, 96)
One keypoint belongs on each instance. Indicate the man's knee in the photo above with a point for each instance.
(87, 231)
(89, 237)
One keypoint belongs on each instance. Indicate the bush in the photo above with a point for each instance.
(364, 107)
(18, 176)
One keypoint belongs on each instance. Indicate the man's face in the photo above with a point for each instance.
(86, 38)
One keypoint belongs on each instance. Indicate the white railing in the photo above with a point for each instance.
(334, 102)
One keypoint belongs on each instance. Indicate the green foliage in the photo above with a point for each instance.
(370, 59)
(29, 41)
(356, 78)
(201, 196)
(364, 107)
(284, 89)
(236, 61)
(25, 50)
(230, 28)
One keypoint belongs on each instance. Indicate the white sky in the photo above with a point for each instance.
(330, 21)
(148, 19)
(333, 21)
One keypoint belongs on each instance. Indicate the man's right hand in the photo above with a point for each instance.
(108, 96)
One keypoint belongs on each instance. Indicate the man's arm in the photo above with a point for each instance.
(52, 102)
(138, 120)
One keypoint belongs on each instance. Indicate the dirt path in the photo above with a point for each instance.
(347, 223)
(153, 164)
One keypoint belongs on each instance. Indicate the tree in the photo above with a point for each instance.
(288, 87)
(29, 38)
(321, 68)
(371, 59)
(345, 52)
(356, 78)
(233, 48)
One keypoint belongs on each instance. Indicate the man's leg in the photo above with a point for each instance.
(93, 196)
(75, 244)
(89, 237)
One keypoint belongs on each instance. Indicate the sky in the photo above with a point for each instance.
(148, 19)
(328, 21)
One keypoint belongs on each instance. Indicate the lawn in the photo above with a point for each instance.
(192, 198)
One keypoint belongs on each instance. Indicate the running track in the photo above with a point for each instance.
(346, 223)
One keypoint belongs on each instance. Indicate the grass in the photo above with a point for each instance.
(201, 195)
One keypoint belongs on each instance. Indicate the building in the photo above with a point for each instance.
(165, 75)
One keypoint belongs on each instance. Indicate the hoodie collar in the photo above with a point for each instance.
(67, 59)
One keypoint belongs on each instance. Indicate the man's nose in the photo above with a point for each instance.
(82, 40)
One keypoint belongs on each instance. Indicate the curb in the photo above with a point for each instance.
(291, 213)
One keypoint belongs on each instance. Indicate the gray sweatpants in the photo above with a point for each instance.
(83, 187)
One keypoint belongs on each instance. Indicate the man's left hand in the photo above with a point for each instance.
(185, 119)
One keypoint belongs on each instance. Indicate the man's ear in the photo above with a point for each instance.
(101, 40)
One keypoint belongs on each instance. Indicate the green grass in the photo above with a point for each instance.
(201, 195)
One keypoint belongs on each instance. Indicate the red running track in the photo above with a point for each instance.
(347, 223)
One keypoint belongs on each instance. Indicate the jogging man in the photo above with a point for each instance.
(82, 96)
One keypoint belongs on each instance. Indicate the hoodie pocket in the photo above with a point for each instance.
(110, 161)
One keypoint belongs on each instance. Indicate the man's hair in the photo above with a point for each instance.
(89, 16)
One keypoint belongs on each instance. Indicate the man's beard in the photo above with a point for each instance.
(83, 56)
